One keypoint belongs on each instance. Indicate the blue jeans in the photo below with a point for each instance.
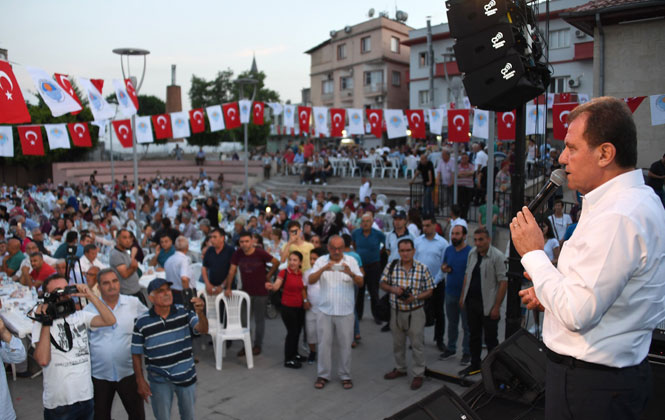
(162, 397)
(428, 203)
(82, 410)
(453, 313)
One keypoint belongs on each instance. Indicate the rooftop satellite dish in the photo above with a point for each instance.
(333, 33)
(347, 29)
(383, 14)
(401, 16)
(370, 13)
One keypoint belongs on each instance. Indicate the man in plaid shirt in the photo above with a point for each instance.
(409, 284)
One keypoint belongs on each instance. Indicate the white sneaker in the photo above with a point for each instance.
(325, 183)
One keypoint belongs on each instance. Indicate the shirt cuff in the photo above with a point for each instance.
(533, 261)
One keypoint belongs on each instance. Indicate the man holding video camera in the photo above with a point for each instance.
(60, 336)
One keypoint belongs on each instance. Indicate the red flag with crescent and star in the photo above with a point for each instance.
(80, 134)
(197, 121)
(304, 115)
(375, 119)
(131, 92)
(416, 119)
(65, 84)
(31, 140)
(633, 102)
(13, 109)
(231, 115)
(162, 124)
(257, 113)
(123, 130)
(458, 125)
(337, 117)
(560, 119)
(505, 125)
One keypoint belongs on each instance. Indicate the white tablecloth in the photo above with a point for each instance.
(15, 307)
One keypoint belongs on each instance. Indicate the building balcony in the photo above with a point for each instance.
(375, 89)
(327, 97)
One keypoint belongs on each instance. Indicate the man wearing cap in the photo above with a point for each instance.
(164, 336)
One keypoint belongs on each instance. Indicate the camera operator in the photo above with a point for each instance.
(409, 283)
(65, 354)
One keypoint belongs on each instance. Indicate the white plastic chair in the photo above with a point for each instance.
(392, 170)
(196, 273)
(353, 168)
(411, 166)
(234, 329)
(377, 166)
(211, 314)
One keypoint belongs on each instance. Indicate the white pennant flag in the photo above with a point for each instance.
(215, 117)
(536, 119)
(101, 110)
(6, 141)
(356, 125)
(245, 106)
(481, 124)
(276, 108)
(657, 109)
(550, 100)
(58, 101)
(320, 115)
(125, 103)
(395, 123)
(180, 124)
(289, 116)
(144, 130)
(435, 120)
(466, 103)
(582, 98)
(58, 138)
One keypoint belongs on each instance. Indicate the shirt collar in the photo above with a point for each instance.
(624, 181)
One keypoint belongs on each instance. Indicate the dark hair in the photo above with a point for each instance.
(297, 254)
(50, 278)
(105, 271)
(218, 230)
(320, 251)
(405, 240)
(244, 233)
(71, 236)
(456, 210)
(88, 248)
(609, 120)
(347, 240)
(36, 254)
(431, 218)
(482, 230)
(464, 231)
(550, 232)
(293, 223)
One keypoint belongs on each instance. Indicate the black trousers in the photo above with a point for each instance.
(128, 392)
(437, 300)
(479, 326)
(573, 392)
(465, 195)
(371, 283)
(294, 319)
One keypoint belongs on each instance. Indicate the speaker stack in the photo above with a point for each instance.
(498, 48)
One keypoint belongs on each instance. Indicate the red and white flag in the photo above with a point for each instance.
(257, 113)
(564, 98)
(458, 125)
(123, 131)
(101, 110)
(98, 83)
(58, 101)
(634, 102)
(80, 134)
(337, 118)
(215, 118)
(197, 120)
(560, 119)
(63, 81)
(129, 87)
(375, 118)
(31, 140)
(416, 123)
(231, 115)
(162, 124)
(125, 104)
(505, 123)
(6, 141)
(13, 109)
(304, 115)
(57, 136)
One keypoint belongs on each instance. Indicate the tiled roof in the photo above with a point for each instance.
(595, 5)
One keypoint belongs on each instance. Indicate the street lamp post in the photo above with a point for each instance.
(127, 52)
(242, 82)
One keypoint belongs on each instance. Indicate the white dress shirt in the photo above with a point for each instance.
(608, 292)
(445, 171)
(176, 267)
(337, 296)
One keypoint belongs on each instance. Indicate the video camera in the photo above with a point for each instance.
(55, 306)
(405, 294)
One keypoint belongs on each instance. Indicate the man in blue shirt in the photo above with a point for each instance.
(110, 354)
(367, 243)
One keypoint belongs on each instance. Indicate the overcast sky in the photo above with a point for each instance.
(200, 37)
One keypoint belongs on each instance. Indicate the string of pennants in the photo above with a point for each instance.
(59, 96)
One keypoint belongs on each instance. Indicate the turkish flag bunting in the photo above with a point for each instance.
(257, 113)
(162, 124)
(80, 134)
(337, 118)
(560, 119)
(123, 130)
(505, 122)
(375, 118)
(98, 83)
(231, 115)
(65, 84)
(634, 102)
(132, 93)
(564, 98)
(31, 140)
(416, 119)
(197, 121)
(458, 125)
(304, 114)
(12, 105)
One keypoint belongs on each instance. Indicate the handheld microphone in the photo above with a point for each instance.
(557, 179)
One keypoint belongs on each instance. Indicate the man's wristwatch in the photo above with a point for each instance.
(305, 300)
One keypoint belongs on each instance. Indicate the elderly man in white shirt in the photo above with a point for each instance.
(89, 258)
(178, 269)
(445, 171)
(605, 297)
(336, 273)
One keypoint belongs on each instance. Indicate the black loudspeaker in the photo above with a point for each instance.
(466, 17)
(478, 50)
(443, 404)
(488, 407)
(515, 370)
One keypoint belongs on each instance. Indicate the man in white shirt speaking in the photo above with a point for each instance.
(605, 297)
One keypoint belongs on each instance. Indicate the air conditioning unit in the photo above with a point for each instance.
(333, 33)
(349, 93)
(329, 76)
(347, 29)
(579, 34)
(574, 83)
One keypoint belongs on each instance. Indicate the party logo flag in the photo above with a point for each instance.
(13, 109)
(179, 125)
(257, 113)
(416, 119)
(6, 141)
(458, 125)
(101, 110)
(304, 114)
(129, 87)
(231, 115)
(634, 102)
(337, 118)
(505, 125)
(143, 130)
(375, 119)
(215, 117)
(583, 98)
(31, 140)
(80, 134)
(123, 131)
(245, 107)
(125, 103)
(58, 101)
(197, 120)
(162, 124)
(57, 136)
(276, 108)
(289, 116)
(395, 125)
(321, 121)
(481, 124)
(356, 123)
(435, 120)
(657, 109)
(536, 119)
(65, 84)
(560, 119)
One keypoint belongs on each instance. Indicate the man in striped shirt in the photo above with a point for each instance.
(164, 336)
